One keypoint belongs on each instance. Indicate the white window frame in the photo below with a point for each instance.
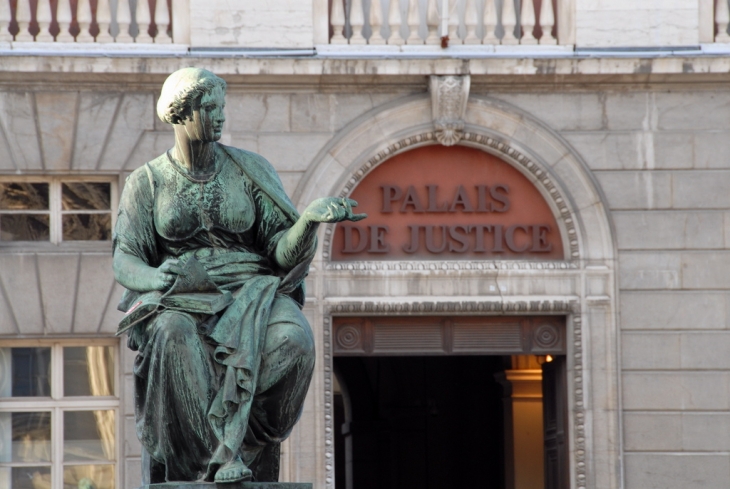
(56, 404)
(55, 211)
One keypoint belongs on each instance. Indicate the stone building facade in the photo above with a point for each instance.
(622, 125)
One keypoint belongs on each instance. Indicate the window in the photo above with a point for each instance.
(56, 209)
(59, 415)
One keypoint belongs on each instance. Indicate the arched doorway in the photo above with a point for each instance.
(433, 401)
(580, 287)
(471, 408)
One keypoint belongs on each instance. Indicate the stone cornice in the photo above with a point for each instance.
(508, 69)
(477, 266)
(454, 305)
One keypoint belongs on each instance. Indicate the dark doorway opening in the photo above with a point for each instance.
(424, 422)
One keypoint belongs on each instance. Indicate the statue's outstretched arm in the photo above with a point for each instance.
(298, 242)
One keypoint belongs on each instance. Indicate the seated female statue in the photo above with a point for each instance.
(216, 393)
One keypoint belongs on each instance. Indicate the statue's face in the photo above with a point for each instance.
(206, 121)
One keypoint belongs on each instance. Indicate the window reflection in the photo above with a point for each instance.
(25, 227)
(6, 372)
(88, 477)
(86, 195)
(55, 211)
(25, 478)
(88, 371)
(31, 372)
(87, 227)
(88, 435)
(23, 196)
(30, 437)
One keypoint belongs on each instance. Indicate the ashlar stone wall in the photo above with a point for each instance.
(660, 157)
(658, 153)
(49, 291)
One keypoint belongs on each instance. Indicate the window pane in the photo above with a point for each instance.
(88, 477)
(88, 371)
(31, 372)
(6, 373)
(6, 437)
(30, 437)
(24, 227)
(23, 196)
(25, 478)
(86, 195)
(87, 227)
(88, 435)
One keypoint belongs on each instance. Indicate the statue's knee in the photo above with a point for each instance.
(175, 327)
(303, 342)
(297, 340)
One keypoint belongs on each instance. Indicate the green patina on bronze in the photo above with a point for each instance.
(239, 485)
(213, 255)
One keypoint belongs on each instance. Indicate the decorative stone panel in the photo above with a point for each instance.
(449, 95)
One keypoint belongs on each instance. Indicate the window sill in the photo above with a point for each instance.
(18, 247)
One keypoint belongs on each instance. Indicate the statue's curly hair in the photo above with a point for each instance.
(182, 89)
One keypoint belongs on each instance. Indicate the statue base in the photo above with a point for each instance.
(234, 485)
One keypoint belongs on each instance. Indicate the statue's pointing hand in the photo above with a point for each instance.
(332, 209)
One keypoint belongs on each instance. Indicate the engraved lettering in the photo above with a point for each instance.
(391, 193)
(433, 206)
(482, 205)
(430, 245)
(362, 239)
(539, 239)
(460, 235)
(510, 238)
(500, 197)
(413, 247)
(498, 239)
(461, 199)
(377, 239)
(411, 199)
(479, 232)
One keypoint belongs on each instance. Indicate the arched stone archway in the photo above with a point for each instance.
(492, 126)
(582, 287)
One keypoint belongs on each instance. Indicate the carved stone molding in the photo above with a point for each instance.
(578, 408)
(546, 336)
(449, 95)
(447, 266)
(479, 305)
(477, 140)
(329, 412)
(348, 337)
(477, 334)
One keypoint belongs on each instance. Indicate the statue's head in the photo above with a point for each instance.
(194, 97)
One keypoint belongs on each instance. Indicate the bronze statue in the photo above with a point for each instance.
(213, 255)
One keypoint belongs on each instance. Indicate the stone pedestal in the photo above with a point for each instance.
(235, 485)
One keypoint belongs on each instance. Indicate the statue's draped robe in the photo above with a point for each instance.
(200, 394)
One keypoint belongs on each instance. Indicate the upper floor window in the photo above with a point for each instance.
(57, 209)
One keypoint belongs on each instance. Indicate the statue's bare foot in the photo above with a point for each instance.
(233, 471)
